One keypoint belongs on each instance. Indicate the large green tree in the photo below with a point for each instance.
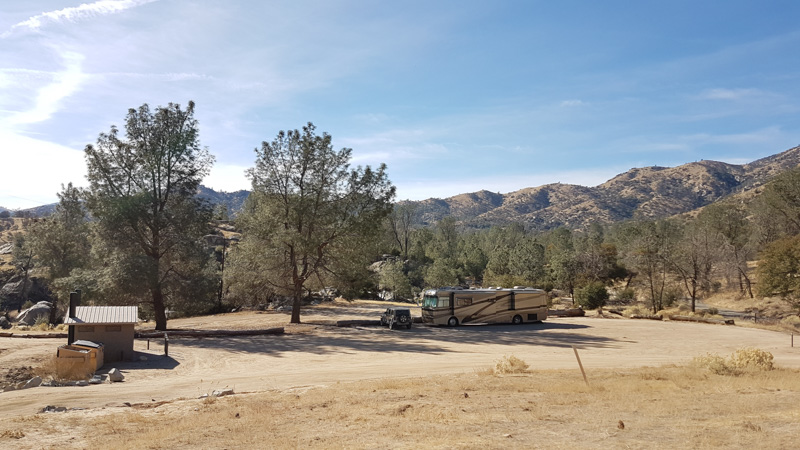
(307, 206)
(143, 196)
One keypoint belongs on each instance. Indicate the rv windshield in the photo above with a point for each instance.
(429, 301)
(432, 301)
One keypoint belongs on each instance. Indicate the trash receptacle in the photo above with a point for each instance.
(79, 359)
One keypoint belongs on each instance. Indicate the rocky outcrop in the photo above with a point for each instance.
(12, 294)
(37, 312)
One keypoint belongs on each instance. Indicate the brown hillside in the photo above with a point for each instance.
(648, 192)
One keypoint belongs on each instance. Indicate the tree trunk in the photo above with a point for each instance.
(297, 302)
(158, 309)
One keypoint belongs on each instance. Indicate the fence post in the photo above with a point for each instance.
(166, 345)
(581, 366)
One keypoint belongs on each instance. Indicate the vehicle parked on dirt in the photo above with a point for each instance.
(453, 306)
(396, 317)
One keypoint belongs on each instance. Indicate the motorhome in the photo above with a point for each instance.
(453, 306)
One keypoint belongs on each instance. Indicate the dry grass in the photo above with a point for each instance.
(50, 370)
(546, 408)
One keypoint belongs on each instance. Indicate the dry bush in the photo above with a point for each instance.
(49, 370)
(752, 358)
(744, 359)
(636, 310)
(510, 364)
(791, 322)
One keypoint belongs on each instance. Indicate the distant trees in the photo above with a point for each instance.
(61, 242)
(306, 208)
(149, 220)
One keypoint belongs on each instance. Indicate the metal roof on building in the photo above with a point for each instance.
(102, 315)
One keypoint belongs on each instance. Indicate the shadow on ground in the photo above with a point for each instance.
(419, 339)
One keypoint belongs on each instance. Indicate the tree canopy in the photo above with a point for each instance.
(142, 194)
(307, 209)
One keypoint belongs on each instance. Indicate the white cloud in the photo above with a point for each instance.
(50, 96)
(73, 14)
(34, 170)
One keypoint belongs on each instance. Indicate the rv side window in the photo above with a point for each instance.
(444, 302)
(463, 301)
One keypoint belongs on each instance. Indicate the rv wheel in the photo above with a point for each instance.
(452, 322)
(517, 320)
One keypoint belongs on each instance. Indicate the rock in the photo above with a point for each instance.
(39, 311)
(82, 383)
(214, 240)
(9, 388)
(12, 295)
(32, 383)
(6, 249)
(4, 323)
(115, 375)
(97, 379)
(51, 409)
(222, 393)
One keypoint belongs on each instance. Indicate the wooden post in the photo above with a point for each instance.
(148, 344)
(580, 365)
(166, 345)
(792, 340)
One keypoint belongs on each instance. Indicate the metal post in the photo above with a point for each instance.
(166, 345)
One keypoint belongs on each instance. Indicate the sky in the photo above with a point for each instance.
(454, 96)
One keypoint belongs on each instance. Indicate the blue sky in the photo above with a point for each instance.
(454, 96)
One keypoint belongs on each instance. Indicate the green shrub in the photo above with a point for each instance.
(627, 294)
(592, 296)
(671, 295)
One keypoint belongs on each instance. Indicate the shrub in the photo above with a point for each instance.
(671, 295)
(635, 311)
(752, 358)
(592, 296)
(791, 321)
(510, 364)
(741, 360)
(712, 311)
(627, 294)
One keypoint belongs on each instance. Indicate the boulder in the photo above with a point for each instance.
(115, 375)
(222, 393)
(4, 323)
(214, 240)
(32, 383)
(12, 295)
(6, 249)
(39, 311)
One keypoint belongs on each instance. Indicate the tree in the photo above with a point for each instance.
(401, 221)
(142, 195)
(779, 270)
(695, 257)
(443, 250)
(649, 249)
(730, 222)
(307, 204)
(61, 242)
(23, 259)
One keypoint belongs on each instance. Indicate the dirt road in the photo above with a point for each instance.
(318, 355)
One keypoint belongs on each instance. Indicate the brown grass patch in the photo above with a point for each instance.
(553, 408)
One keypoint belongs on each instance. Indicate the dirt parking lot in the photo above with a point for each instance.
(315, 354)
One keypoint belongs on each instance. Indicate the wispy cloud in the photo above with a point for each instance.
(570, 103)
(49, 97)
(729, 94)
(74, 14)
